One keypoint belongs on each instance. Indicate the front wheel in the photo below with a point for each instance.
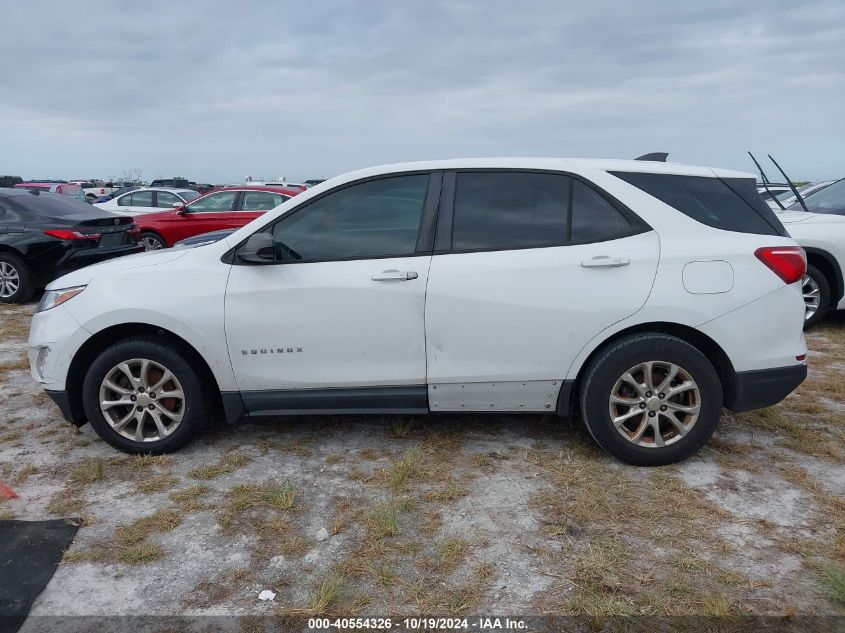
(142, 396)
(651, 399)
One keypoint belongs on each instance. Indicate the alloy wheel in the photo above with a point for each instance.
(812, 296)
(654, 404)
(151, 243)
(10, 280)
(142, 400)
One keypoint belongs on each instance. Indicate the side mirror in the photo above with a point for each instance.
(258, 249)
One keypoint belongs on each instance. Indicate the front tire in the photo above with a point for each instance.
(651, 399)
(816, 290)
(15, 280)
(142, 396)
(152, 241)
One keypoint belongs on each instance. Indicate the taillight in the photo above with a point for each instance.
(63, 234)
(787, 262)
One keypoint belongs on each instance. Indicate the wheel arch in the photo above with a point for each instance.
(830, 268)
(570, 389)
(116, 333)
(157, 234)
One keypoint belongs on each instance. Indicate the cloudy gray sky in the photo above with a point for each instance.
(218, 90)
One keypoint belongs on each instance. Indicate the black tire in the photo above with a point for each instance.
(609, 366)
(194, 406)
(24, 279)
(824, 296)
(149, 237)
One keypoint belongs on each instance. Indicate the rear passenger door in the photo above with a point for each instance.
(136, 203)
(527, 268)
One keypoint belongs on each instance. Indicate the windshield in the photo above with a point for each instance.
(831, 199)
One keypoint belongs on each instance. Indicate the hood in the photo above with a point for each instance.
(83, 276)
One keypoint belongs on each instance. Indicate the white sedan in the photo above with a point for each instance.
(148, 200)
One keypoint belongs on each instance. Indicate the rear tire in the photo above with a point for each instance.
(816, 290)
(15, 280)
(152, 241)
(136, 419)
(641, 415)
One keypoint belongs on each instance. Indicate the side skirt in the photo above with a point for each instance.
(347, 401)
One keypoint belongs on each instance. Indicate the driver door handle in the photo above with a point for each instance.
(603, 261)
(395, 275)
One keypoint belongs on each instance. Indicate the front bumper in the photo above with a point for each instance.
(764, 387)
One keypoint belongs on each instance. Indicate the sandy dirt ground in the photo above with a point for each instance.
(438, 515)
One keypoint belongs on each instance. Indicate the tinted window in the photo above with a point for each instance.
(166, 200)
(214, 203)
(594, 218)
(831, 199)
(52, 206)
(138, 199)
(732, 204)
(509, 210)
(261, 200)
(379, 218)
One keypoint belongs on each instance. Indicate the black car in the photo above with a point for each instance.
(10, 181)
(44, 236)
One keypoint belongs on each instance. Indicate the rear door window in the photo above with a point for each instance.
(509, 210)
(730, 204)
(139, 199)
(261, 200)
(166, 200)
(594, 218)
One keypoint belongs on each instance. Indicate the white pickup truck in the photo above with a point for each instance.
(94, 190)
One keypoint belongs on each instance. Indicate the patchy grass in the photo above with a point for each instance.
(88, 471)
(161, 521)
(25, 473)
(140, 553)
(225, 466)
(383, 521)
(65, 503)
(327, 594)
(189, 499)
(833, 583)
(158, 483)
(267, 495)
(404, 469)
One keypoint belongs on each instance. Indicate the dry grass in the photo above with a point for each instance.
(189, 499)
(383, 521)
(401, 471)
(88, 471)
(139, 554)
(833, 583)
(25, 473)
(327, 594)
(225, 466)
(268, 495)
(136, 532)
(157, 483)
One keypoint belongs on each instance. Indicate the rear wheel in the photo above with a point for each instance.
(651, 399)
(15, 280)
(816, 290)
(142, 396)
(152, 241)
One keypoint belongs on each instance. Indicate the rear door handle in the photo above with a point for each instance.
(603, 261)
(395, 275)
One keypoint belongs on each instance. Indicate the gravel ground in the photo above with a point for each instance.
(438, 515)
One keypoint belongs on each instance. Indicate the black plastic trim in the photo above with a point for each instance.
(764, 387)
(566, 399)
(233, 405)
(356, 400)
(62, 400)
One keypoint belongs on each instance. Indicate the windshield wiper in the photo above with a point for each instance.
(766, 183)
(791, 186)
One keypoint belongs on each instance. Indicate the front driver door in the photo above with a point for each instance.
(209, 213)
(337, 321)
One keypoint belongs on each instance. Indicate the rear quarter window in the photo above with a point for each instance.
(730, 204)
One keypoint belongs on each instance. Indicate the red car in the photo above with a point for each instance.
(229, 208)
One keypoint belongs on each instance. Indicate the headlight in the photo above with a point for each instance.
(53, 298)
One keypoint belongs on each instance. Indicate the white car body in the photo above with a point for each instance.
(822, 236)
(92, 193)
(489, 330)
(127, 203)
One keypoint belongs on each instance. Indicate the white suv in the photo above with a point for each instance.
(643, 296)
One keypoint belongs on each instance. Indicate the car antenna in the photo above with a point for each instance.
(766, 182)
(791, 186)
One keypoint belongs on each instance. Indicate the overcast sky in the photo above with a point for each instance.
(216, 91)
